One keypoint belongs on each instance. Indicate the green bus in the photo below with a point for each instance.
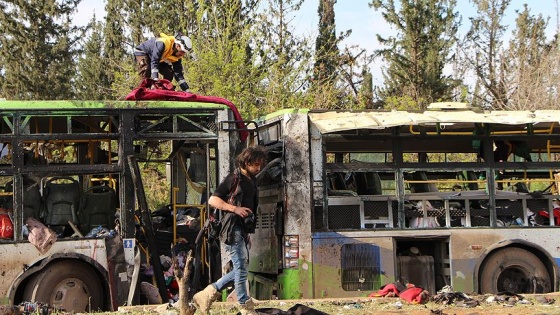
(72, 167)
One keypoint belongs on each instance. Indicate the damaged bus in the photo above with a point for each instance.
(452, 196)
(72, 223)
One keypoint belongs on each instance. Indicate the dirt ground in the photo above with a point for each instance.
(534, 305)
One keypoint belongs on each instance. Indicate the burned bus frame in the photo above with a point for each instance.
(103, 135)
(323, 237)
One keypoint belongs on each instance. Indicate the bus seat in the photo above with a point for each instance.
(341, 184)
(61, 200)
(421, 187)
(368, 183)
(336, 181)
(97, 208)
(468, 176)
(32, 202)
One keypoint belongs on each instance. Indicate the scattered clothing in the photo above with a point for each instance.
(410, 293)
(39, 235)
(297, 309)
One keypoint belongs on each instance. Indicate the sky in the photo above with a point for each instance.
(364, 21)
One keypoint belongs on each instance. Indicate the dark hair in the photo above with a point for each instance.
(251, 155)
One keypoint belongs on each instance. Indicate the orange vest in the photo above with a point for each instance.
(169, 43)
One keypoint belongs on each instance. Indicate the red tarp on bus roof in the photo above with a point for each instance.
(144, 93)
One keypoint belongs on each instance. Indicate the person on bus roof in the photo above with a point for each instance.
(237, 198)
(163, 55)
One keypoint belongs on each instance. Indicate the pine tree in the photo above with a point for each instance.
(135, 18)
(225, 63)
(42, 44)
(366, 90)
(117, 47)
(332, 85)
(91, 83)
(417, 55)
(326, 49)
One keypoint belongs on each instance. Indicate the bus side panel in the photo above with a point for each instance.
(16, 258)
(297, 218)
(469, 247)
(264, 243)
(466, 247)
(328, 273)
(298, 200)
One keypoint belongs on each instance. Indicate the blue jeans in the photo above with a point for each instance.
(239, 257)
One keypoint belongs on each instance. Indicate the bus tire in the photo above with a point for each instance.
(514, 270)
(72, 286)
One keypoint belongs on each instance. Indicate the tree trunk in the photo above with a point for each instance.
(183, 282)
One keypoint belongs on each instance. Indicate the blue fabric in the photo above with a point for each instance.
(239, 258)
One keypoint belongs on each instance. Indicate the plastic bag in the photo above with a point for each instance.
(6, 227)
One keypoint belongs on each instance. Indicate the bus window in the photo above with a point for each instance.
(376, 184)
(71, 167)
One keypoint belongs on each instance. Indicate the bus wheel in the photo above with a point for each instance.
(71, 286)
(515, 270)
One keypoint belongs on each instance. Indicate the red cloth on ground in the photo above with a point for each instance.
(162, 93)
(411, 294)
(414, 295)
(389, 288)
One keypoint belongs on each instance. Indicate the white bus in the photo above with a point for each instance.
(354, 200)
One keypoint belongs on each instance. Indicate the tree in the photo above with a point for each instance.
(326, 49)
(530, 83)
(484, 52)
(42, 42)
(366, 90)
(417, 55)
(284, 57)
(333, 74)
(135, 18)
(355, 78)
(117, 48)
(91, 82)
(225, 62)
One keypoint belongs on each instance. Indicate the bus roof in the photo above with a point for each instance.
(334, 121)
(81, 105)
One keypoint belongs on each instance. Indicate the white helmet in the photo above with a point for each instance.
(184, 43)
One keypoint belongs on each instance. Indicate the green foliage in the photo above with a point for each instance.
(39, 48)
(401, 103)
(115, 45)
(366, 99)
(285, 58)
(529, 62)
(126, 79)
(336, 84)
(485, 38)
(92, 67)
(156, 187)
(326, 50)
(417, 55)
(225, 63)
